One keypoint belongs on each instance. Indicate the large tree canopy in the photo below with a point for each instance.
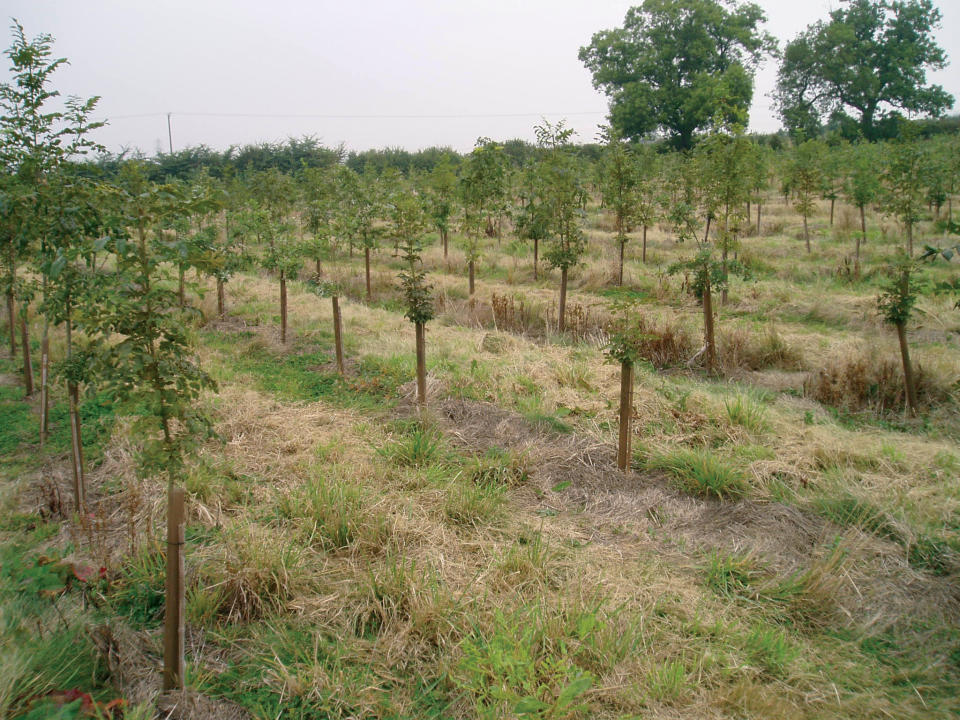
(870, 58)
(675, 65)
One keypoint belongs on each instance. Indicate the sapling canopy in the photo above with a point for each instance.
(564, 194)
(896, 302)
(417, 293)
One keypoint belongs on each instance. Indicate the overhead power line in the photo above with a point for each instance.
(322, 116)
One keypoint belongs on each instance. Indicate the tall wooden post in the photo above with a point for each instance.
(561, 323)
(708, 327)
(11, 316)
(626, 415)
(27, 364)
(44, 386)
(283, 308)
(76, 447)
(173, 619)
(338, 333)
(421, 366)
(220, 299)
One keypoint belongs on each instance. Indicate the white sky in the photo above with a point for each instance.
(496, 66)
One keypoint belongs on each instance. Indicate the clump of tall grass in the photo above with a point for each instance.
(701, 472)
(863, 380)
(255, 573)
(741, 349)
(335, 514)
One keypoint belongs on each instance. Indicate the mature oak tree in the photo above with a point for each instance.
(676, 64)
(870, 59)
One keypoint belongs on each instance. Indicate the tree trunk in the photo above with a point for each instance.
(338, 333)
(561, 322)
(443, 236)
(833, 202)
(912, 405)
(181, 292)
(758, 218)
(806, 232)
(27, 364)
(318, 266)
(643, 257)
(536, 252)
(12, 319)
(44, 384)
(421, 366)
(626, 415)
(708, 328)
(366, 267)
(76, 446)
(910, 239)
(470, 275)
(856, 259)
(723, 261)
(283, 308)
(706, 234)
(173, 618)
(623, 242)
(220, 298)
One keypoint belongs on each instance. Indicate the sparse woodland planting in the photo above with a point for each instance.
(644, 452)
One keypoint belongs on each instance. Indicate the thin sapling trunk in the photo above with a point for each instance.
(421, 365)
(283, 308)
(708, 327)
(626, 415)
(561, 323)
(338, 332)
(909, 382)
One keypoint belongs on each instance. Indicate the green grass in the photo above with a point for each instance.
(701, 472)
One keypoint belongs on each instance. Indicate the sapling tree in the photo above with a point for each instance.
(759, 171)
(283, 256)
(896, 301)
(625, 347)
(805, 179)
(533, 219)
(482, 188)
(319, 205)
(442, 186)
(902, 180)
(564, 196)
(861, 186)
(678, 201)
(40, 135)
(831, 175)
(724, 159)
(708, 275)
(618, 184)
(416, 291)
(153, 365)
(646, 205)
(74, 235)
(366, 205)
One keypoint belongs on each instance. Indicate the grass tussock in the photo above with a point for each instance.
(741, 349)
(702, 472)
(863, 380)
(256, 573)
(334, 514)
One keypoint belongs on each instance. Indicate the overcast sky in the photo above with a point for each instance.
(443, 72)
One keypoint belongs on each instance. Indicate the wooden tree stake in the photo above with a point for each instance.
(421, 366)
(626, 415)
(79, 489)
(338, 333)
(173, 619)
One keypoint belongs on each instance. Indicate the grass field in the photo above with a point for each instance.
(785, 546)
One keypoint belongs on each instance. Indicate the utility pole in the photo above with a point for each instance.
(169, 133)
